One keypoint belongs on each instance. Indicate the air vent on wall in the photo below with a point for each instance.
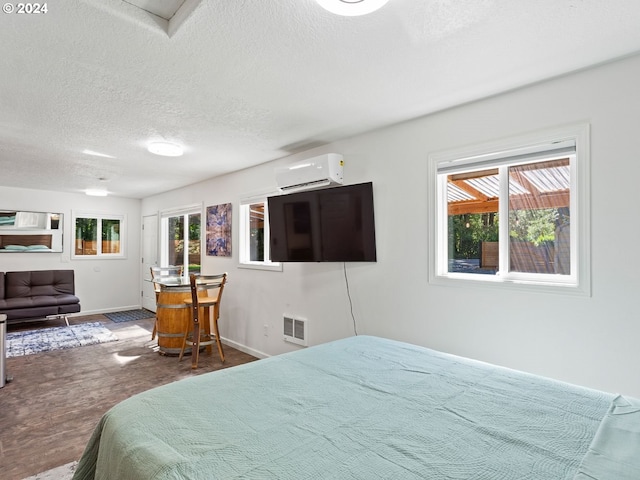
(295, 330)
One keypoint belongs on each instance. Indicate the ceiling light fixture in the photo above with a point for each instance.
(352, 8)
(96, 154)
(165, 149)
(96, 192)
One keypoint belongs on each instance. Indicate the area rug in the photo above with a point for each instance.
(129, 315)
(65, 472)
(30, 342)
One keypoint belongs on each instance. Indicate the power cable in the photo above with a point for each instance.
(346, 281)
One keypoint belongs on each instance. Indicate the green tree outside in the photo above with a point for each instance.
(468, 231)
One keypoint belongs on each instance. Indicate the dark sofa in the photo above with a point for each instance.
(38, 295)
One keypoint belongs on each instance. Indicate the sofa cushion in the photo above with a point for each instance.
(40, 301)
(30, 312)
(1, 285)
(38, 294)
(69, 308)
(39, 283)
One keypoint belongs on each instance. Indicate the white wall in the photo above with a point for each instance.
(102, 285)
(585, 340)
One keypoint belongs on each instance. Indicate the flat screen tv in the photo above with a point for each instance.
(328, 225)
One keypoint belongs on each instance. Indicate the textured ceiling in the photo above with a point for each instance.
(241, 82)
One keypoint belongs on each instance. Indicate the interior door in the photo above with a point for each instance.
(149, 259)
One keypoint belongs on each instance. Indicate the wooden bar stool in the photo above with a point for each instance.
(206, 293)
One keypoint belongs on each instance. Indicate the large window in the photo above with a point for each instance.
(180, 239)
(98, 235)
(514, 213)
(254, 235)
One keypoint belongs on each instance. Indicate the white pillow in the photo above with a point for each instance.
(17, 248)
(37, 247)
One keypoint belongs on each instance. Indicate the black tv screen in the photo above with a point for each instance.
(329, 225)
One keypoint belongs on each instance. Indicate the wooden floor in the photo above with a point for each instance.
(49, 410)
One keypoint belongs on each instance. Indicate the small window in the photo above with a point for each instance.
(254, 235)
(514, 214)
(98, 235)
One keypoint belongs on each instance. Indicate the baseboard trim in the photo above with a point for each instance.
(244, 348)
(226, 341)
(106, 310)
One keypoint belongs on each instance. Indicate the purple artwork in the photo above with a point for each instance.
(219, 230)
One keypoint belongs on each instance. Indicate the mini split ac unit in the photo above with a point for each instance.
(322, 171)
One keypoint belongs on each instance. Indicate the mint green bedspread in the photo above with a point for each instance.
(360, 408)
(615, 450)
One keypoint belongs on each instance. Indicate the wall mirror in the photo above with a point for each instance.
(22, 231)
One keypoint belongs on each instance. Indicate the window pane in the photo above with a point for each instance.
(175, 240)
(256, 232)
(539, 217)
(254, 236)
(516, 210)
(181, 241)
(110, 236)
(472, 203)
(86, 236)
(194, 243)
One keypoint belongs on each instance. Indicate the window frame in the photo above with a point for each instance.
(122, 218)
(185, 212)
(244, 243)
(495, 153)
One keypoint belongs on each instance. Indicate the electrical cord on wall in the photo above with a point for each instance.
(346, 281)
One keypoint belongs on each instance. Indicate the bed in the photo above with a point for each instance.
(367, 408)
(26, 243)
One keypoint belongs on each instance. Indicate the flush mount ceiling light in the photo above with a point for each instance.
(165, 149)
(96, 192)
(351, 8)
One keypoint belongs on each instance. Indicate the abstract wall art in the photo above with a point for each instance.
(219, 230)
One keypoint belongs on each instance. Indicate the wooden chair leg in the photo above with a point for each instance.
(184, 343)
(195, 348)
(207, 328)
(155, 322)
(155, 329)
(218, 342)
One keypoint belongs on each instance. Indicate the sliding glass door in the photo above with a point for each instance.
(181, 239)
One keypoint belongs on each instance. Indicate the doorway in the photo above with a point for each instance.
(149, 259)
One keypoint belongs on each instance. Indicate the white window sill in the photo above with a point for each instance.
(261, 266)
(531, 286)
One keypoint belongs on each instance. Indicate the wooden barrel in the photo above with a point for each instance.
(174, 318)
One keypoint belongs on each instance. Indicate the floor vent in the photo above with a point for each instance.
(295, 330)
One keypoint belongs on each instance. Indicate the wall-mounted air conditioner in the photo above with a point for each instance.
(322, 171)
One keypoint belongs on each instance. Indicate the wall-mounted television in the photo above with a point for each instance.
(327, 225)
